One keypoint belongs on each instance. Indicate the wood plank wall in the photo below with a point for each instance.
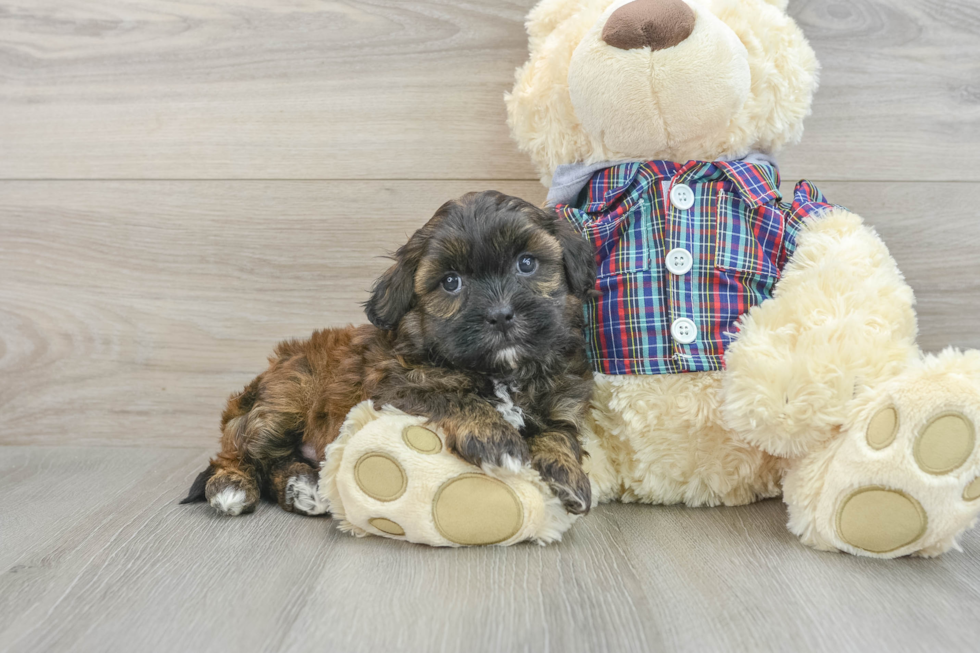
(184, 183)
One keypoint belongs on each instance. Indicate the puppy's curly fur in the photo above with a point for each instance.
(477, 326)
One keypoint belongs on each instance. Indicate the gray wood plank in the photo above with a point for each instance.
(233, 89)
(115, 565)
(406, 89)
(130, 310)
(899, 96)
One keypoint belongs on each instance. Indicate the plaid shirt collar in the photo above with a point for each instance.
(757, 183)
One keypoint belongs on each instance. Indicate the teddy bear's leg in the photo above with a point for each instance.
(660, 439)
(904, 475)
(841, 320)
(880, 441)
(388, 474)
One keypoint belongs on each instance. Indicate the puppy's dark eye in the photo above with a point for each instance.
(452, 283)
(526, 264)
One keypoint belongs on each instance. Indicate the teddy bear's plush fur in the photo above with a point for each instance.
(824, 397)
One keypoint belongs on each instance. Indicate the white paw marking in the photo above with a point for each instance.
(230, 501)
(512, 413)
(304, 496)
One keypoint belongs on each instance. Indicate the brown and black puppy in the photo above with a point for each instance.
(477, 326)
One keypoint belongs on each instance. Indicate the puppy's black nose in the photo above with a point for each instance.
(501, 317)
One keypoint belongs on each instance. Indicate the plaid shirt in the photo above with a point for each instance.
(737, 236)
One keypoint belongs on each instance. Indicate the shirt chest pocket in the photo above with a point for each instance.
(620, 241)
(617, 223)
(748, 238)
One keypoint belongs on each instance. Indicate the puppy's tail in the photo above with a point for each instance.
(196, 492)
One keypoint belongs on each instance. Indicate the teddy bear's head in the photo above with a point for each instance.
(671, 80)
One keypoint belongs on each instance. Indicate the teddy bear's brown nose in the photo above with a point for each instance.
(656, 24)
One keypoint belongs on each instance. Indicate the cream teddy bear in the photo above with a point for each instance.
(744, 346)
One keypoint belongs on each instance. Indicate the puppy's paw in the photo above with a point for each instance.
(497, 446)
(232, 494)
(303, 496)
(568, 481)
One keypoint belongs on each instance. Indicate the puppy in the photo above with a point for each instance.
(477, 327)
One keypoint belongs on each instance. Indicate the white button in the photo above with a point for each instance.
(682, 196)
(684, 330)
(679, 260)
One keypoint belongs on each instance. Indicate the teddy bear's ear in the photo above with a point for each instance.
(549, 14)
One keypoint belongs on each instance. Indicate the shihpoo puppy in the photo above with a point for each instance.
(477, 326)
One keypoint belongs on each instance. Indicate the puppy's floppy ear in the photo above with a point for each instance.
(394, 291)
(578, 254)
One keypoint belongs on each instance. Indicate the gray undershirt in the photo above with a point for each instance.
(570, 178)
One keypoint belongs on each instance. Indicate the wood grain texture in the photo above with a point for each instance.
(130, 310)
(899, 95)
(403, 89)
(242, 88)
(95, 555)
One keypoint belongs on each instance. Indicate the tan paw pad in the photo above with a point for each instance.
(473, 509)
(422, 440)
(945, 443)
(380, 476)
(972, 491)
(882, 428)
(880, 521)
(386, 526)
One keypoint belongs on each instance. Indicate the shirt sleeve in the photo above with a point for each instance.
(808, 202)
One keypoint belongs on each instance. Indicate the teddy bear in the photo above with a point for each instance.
(745, 345)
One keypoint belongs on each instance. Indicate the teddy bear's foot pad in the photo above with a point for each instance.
(909, 480)
(972, 491)
(380, 476)
(388, 474)
(945, 443)
(474, 509)
(880, 520)
(387, 526)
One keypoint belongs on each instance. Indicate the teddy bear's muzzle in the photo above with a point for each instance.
(656, 24)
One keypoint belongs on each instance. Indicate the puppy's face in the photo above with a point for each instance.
(490, 283)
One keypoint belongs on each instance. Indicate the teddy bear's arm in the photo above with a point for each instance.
(841, 317)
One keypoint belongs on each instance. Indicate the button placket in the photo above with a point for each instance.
(679, 261)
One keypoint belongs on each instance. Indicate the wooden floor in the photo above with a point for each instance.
(185, 182)
(98, 557)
